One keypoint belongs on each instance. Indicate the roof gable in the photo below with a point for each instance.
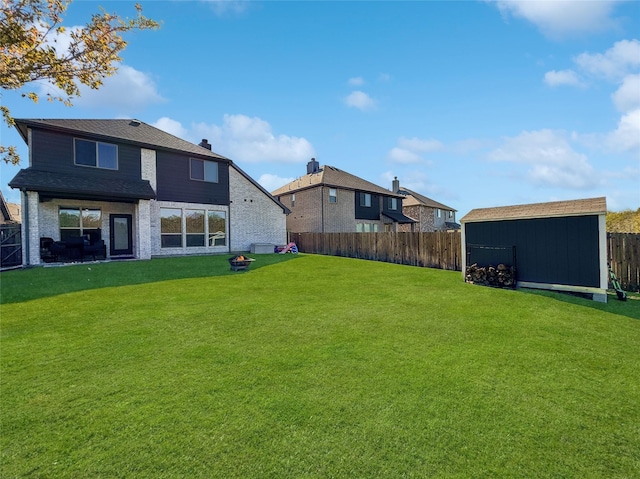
(589, 206)
(333, 177)
(416, 199)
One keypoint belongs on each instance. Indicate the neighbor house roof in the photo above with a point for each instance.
(589, 206)
(131, 131)
(416, 199)
(334, 178)
(10, 211)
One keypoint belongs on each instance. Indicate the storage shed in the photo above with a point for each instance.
(559, 245)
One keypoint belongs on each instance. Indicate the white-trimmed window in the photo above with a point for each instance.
(95, 154)
(293, 199)
(365, 199)
(438, 212)
(333, 195)
(393, 203)
(203, 170)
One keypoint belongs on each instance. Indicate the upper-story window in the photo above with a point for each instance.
(204, 170)
(365, 199)
(96, 154)
(438, 212)
(293, 199)
(393, 203)
(333, 195)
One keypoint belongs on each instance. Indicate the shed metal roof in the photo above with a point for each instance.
(589, 206)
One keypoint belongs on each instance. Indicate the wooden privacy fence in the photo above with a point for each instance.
(433, 250)
(443, 250)
(623, 252)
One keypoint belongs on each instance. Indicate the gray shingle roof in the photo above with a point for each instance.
(335, 178)
(416, 199)
(64, 184)
(589, 206)
(132, 131)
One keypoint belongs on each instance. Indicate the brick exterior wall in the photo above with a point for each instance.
(313, 204)
(427, 220)
(253, 216)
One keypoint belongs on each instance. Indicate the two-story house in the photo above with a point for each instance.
(143, 191)
(429, 215)
(329, 200)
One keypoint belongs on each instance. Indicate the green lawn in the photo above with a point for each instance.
(310, 367)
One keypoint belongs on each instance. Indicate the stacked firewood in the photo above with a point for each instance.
(501, 276)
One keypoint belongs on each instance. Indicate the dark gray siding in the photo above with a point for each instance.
(548, 250)
(53, 151)
(174, 182)
(366, 212)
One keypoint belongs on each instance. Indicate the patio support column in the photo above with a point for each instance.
(31, 229)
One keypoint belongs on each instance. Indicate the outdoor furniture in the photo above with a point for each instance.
(73, 248)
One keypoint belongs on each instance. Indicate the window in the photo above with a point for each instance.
(358, 227)
(365, 199)
(202, 228)
(217, 228)
(293, 200)
(204, 170)
(333, 195)
(171, 227)
(96, 154)
(393, 203)
(438, 212)
(195, 227)
(450, 214)
(78, 221)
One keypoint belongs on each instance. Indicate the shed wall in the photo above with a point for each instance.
(562, 250)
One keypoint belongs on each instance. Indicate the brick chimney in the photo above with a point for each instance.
(395, 185)
(205, 144)
(313, 166)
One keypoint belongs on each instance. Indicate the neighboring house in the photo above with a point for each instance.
(10, 212)
(329, 200)
(428, 214)
(144, 191)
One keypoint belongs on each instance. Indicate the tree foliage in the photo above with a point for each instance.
(627, 221)
(35, 46)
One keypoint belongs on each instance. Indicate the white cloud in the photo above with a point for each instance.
(613, 64)
(243, 138)
(563, 77)
(171, 126)
(420, 146)
(356, 81)
(627, 136)
(360, 100)
(627, 97)
(272, 182)
(551, 159)
(384, 77)
(403, 156)
(222, 7)
(560, 18)
(140, 91)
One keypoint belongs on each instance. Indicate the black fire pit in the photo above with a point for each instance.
(240, 262)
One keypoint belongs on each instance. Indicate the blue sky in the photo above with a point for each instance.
(474, 104)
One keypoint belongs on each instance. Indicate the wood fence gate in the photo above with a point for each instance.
(10, 246)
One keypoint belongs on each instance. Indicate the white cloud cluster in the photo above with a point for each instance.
(561, 17)
(272, 182)
(360, 100)
(410, 150)
(618, 65)
(244, 139)
(551, 159)
(564, 77)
